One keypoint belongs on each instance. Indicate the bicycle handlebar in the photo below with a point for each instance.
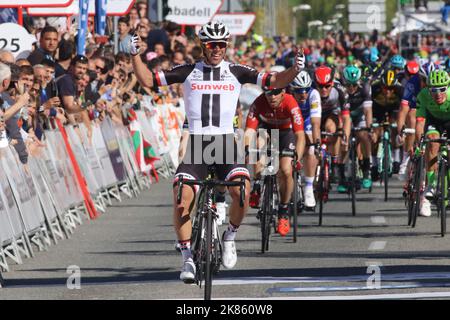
(212, 183)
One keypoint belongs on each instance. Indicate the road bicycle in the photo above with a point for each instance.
(297, 204)
(206, 243)
(324, 171)
(384, 154)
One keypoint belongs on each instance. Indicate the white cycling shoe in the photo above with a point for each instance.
(221, 212)
(310, 200)
(187, 274)
(229, 255)
(403, 169)
(425, 210)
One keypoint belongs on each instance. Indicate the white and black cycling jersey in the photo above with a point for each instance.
(211, 93)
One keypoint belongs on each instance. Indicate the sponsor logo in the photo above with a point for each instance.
(314, 105)
(221, 87)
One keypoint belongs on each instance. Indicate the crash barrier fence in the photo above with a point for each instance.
(73, 177)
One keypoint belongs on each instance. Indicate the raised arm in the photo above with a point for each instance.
(143, 74)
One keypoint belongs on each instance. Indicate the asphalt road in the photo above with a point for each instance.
(128, 253)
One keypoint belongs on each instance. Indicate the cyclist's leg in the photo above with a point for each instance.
(258, 166)
(431, 159)
(366, 149)
(233, 172)
(378, 117)
(330, 125)
(311, 161)
(181, 216)
(286, 181)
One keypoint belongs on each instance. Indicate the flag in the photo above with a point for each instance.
(100, 17)
(143, 150)
(82, 27)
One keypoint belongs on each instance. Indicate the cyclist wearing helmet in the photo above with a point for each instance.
(335, 115)
(360, 99)
(433, 117)
(211, 92)
(309, 102)
(275, 109)
(407, 114)
(386, 97)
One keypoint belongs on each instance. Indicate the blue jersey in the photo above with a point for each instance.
(311, 108)
(412, 89)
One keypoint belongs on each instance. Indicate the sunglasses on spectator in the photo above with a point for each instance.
(103, 70)
(301, 90)
(322, 86)
(274, 92)
(438, 90)
(212, 45)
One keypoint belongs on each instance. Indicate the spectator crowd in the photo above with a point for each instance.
(53, 82)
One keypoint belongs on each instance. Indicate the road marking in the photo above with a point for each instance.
(378, 220)
(355, 278)
(418, 295)
(377, 245)
(355, 288)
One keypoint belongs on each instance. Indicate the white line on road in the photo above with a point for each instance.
(378, 220)
(385, 277)
(377, 245)
(418, 295)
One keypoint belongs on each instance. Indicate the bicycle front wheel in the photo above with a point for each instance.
(442, 196)
(353, 178)
(208, 256)
(294, 205)
(417, 189)
(386, 161)
(266, 214)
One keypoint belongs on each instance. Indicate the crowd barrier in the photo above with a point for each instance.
(73, 177)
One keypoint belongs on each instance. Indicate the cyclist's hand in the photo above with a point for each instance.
(135, 47)
(399, 139)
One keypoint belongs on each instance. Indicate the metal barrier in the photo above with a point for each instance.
(72, 176)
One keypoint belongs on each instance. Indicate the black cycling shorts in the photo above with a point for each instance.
(218, 150)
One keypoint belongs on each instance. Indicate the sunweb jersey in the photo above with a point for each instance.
(211, 93)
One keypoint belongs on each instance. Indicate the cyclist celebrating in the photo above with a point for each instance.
(211, 89)
(335, 108)
(310, 105)
(360, 99)
(433, 115)
(275, 109)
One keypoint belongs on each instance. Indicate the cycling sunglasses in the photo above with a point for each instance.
(301, 90)
(389, 88)
(211, 45)
(326, 86)
(274, 92)
(438, 89)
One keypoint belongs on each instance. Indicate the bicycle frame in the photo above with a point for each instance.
(206, 242)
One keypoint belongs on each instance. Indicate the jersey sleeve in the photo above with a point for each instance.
(343, 100)
(246, 74)
(367, 94)
(177, 74)
(315, 103)
(253, 115)
(295, 113)
(421, 105)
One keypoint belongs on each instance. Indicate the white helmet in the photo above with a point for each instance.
(303, 80)
(214, 31)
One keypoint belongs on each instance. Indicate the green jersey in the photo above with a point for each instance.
(426, 106)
